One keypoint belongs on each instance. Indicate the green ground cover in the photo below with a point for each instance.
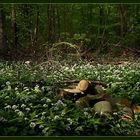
(29, 104)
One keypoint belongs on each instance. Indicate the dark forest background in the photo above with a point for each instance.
(45, 31)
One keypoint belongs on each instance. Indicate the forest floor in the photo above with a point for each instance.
(29, 102)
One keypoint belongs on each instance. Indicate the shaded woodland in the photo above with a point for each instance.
(43, 31)
(69, 70)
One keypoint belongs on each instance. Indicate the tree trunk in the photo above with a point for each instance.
(122, 9)
(64, 23)
(101, 19)
(2, 30)
(28, 24)
(51, 24)
(102, 27)
(35, 40)
(89, 15)
(58, 22)
(14, 26)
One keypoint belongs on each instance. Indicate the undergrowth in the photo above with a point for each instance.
(29, 104)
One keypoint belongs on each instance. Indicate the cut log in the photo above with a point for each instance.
(128, 114)
(136, 108)
(103, 108)
(80, 88)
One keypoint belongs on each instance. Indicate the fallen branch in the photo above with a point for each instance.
(92, 82)
(99, 83)
(66, 43)
(132, 50)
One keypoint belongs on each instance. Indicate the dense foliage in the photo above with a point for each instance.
(31, 29)
(29, 104)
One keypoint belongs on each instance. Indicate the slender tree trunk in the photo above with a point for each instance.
(14, 26)
(35, 40)
(83, 23)
(28, 24)
(2, 29)
(90, 13)
(122, 9)
(58, 22)
(64, 23)
(102, 27)
(51, 24)
(101, 19)
(71, 21)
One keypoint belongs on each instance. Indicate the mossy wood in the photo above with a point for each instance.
(90, 100)
(103, 108)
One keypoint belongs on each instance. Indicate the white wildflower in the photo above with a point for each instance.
(8, 83)
(68, 128)
(138, 83)
(17, 110)
(20, 113)
(45, 105)
(45, 130)
(27, 109)
(41, 68)
(132, 71)
(25, 119)
(14, 107)
(8, 106)
(69, 120)
(17, 93)
(56, 117)
(59, 103)
(9, 87)
(41, 126)
(113, 84)
(36, 89)
(73, 70)
(86, 109)
(42, 99)
(23, 106)
(32, 124)
(43, 113)
(42, 117)
(81, 67)
(56, 108)
(63, 112)
(26, 89)
(16, 88)
(66, 68)
(116, 71)
(7, 97)
(30, 104)
(115, 113)
(48, 100)
(43, 88)
(27, 62)
(86, 113)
